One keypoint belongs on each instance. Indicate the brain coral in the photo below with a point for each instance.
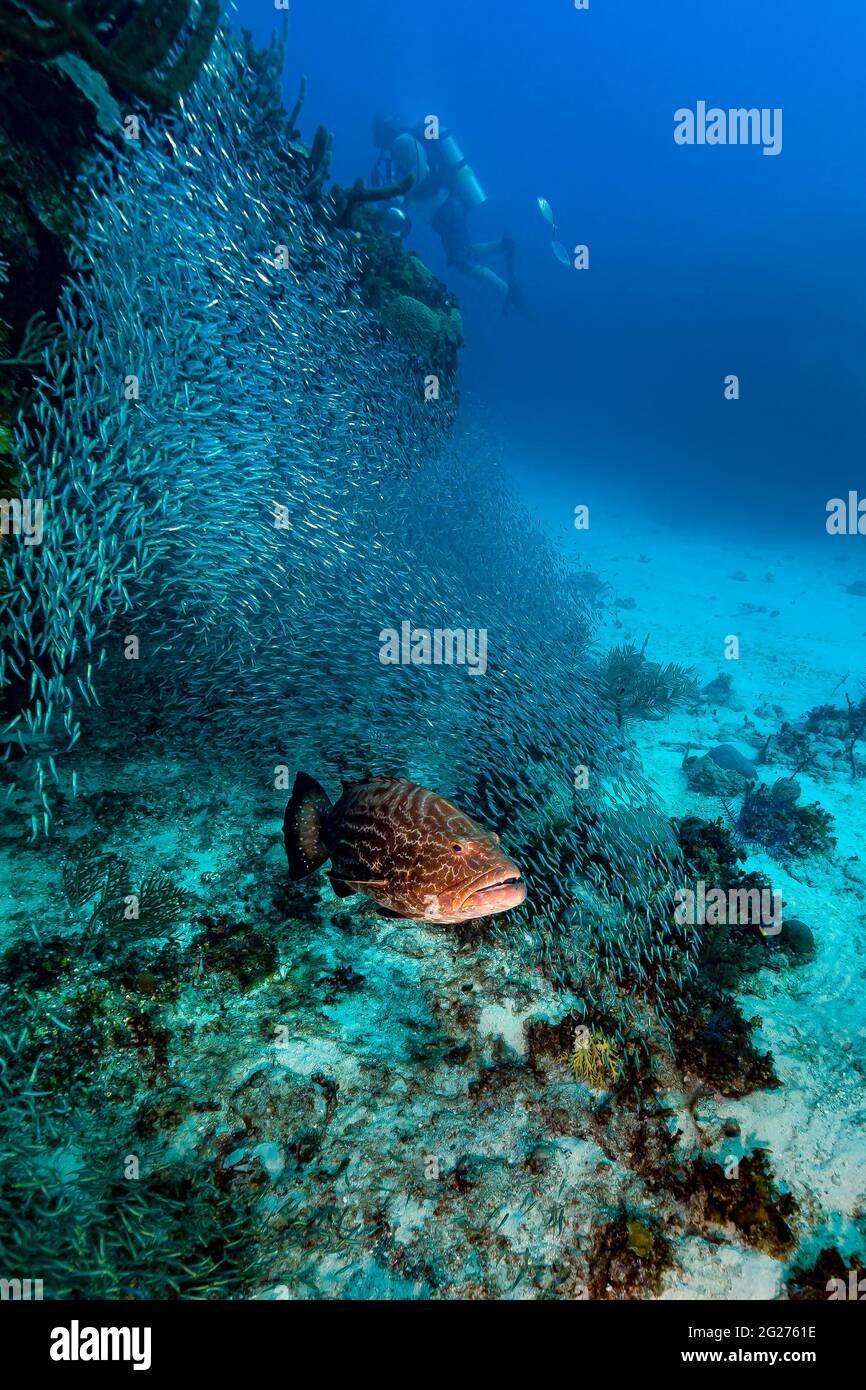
(431, 334)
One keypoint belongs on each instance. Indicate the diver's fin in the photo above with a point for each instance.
(515, 302)
(513, 299)
(302, 826)
(509, 251)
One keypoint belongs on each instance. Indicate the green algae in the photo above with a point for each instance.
(630, 1257)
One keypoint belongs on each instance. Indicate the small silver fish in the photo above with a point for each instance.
(560, 253)
(547, 212)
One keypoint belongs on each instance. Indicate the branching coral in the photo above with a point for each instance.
(827, 738)
(292, 131)
(342, 203)
(856, 727)
(136, 55)
(321, 154)
(346, 200)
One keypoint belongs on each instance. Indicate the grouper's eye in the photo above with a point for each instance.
(458, 849)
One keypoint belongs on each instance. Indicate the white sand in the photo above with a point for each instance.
(795, 654)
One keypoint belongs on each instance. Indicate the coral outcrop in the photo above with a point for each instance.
(433, 335)
(138, 56)
(181, 519)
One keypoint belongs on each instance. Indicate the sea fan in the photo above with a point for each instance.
(640, 689)
(84, 871)
(161, 904)
(102, 880)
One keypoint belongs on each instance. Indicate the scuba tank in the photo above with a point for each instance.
(438, 164)
(459, 176)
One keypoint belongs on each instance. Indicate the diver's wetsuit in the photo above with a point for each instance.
(451, 223)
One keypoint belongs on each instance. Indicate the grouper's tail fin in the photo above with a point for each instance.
(302, 826)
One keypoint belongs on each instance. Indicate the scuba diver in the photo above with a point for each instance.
(443, 192)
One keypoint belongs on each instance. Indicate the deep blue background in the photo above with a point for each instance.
(704, 261)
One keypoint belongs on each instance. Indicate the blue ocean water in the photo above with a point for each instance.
(555, 595)
(704, 261)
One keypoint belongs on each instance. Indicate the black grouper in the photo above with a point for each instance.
(407, 848)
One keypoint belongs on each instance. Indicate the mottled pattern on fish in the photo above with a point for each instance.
(404, 846)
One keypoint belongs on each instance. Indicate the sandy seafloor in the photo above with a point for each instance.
(802, 644)
(444, 1157)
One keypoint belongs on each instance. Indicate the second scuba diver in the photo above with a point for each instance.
(444, 191)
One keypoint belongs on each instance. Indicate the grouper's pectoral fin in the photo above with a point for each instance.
(373, 909)
(345, 887)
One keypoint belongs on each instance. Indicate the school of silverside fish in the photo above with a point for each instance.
(197, 395)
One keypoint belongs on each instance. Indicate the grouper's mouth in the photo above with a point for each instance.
(500, 883)
(503, 889)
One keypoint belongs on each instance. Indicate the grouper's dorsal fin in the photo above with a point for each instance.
(368, 775)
